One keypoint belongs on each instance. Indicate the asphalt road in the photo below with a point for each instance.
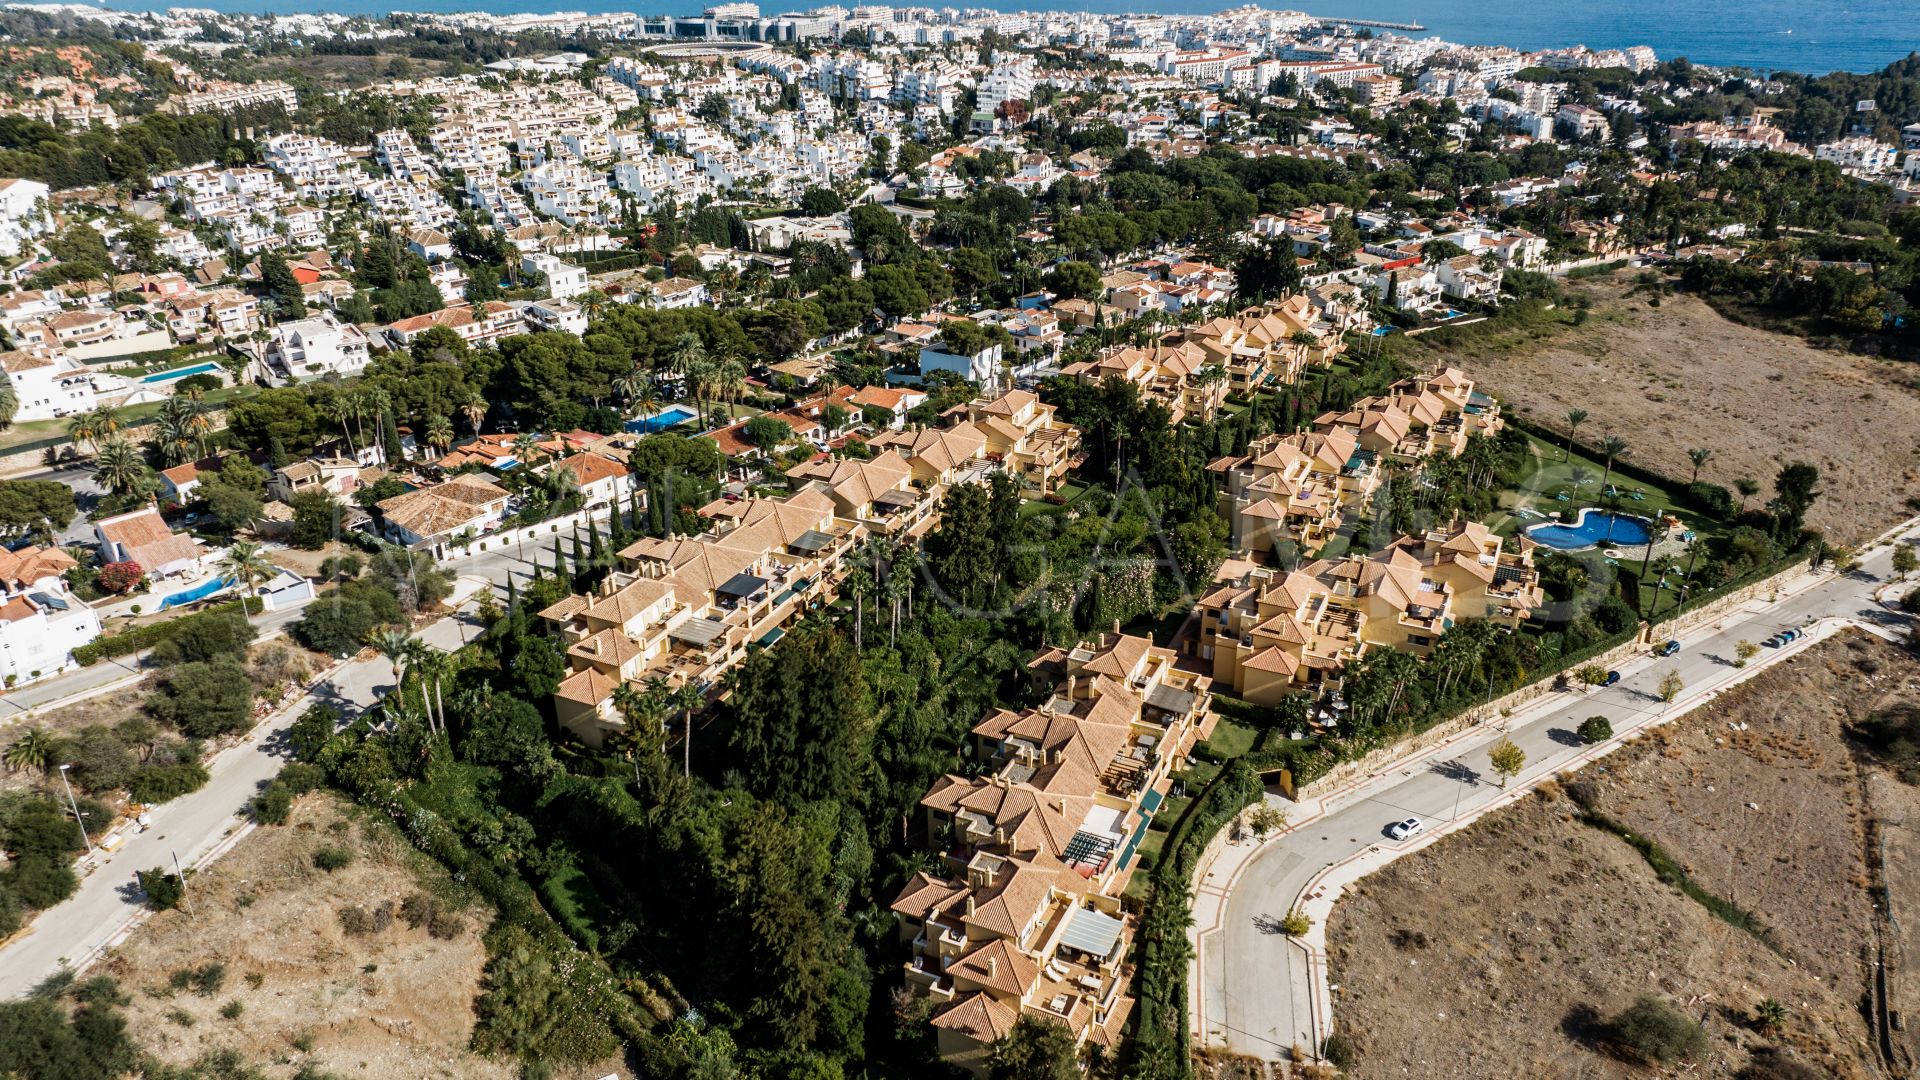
(1254, 984)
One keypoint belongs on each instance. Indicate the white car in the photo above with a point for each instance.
(1401, 830)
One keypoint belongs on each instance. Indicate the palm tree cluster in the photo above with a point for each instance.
(185, 422)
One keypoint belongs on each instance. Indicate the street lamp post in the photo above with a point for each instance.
(75, 806)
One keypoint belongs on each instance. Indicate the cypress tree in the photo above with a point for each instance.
(390, 439)
(513, 592)
(559, 560)
(578, 560)
(277, 452)
(595, 550)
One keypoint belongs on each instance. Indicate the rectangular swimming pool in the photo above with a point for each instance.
(672, 416)
(179, 373)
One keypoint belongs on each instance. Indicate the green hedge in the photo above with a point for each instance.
(1162, 1043)
(1757, 574)
(145, 637)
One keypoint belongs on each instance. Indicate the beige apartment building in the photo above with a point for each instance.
(685, 609)
(1024, 915)
(1268, 632)
(1435, 413)
(1181, 377)
(1026, 437)
(1293, 489)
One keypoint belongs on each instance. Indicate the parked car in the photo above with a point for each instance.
(1401, 830)
(1667, 649)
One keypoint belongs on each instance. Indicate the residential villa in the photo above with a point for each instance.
(41, 621)
(1293, 489)
(941, 457)
(685, 609)
(431, 517)
(142, 538)
(1024, 914)
(1268, 632)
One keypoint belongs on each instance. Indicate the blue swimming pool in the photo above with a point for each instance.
(1593, 528)
(179, 373)
(672, 416)
(198, 592)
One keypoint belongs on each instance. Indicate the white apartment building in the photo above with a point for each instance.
(564, 280)
(1010, 80)
(23, 214)
(1859, 154)
(322, 345)
(48, 384)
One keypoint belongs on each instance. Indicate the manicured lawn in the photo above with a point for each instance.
(1231, 739)
(1549, 475)
(1069, 491)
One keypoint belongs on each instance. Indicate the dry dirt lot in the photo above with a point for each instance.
(1681, 375)
(394, 1003)
(1494, 952)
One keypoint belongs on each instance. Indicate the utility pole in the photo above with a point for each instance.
(75, 806)
(185, 896)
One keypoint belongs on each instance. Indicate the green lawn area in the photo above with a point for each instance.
(1069, 491)
(34, 430)
(1551, 473)
(1231, 739)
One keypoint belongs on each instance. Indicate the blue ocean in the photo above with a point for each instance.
(1813, 36)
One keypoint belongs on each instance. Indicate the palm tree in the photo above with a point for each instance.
(526, 447)
(1747, 489)
(1613, 446)
(106, 422)
(246, 565)
(118, 467)
(80, 429)
(391, 643)
(1575, 417)
(339, 409)
(9, 403)
(1699, 456)
(32, 750)
(686, 700)
(474, 408)
(628, 383)
(439, 433)
(431, 664)
(859, 582)
(730, 378)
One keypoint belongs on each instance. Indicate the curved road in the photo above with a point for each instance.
(1256, 987)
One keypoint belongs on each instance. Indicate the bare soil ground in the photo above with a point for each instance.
(1681, 375)
(394, 1003)
(1497, 951)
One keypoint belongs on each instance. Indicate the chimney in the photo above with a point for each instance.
(993, 966)
(1073, 686)
(999, 835)
(969, 905)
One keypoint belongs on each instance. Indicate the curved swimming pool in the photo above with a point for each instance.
(1591, 529)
